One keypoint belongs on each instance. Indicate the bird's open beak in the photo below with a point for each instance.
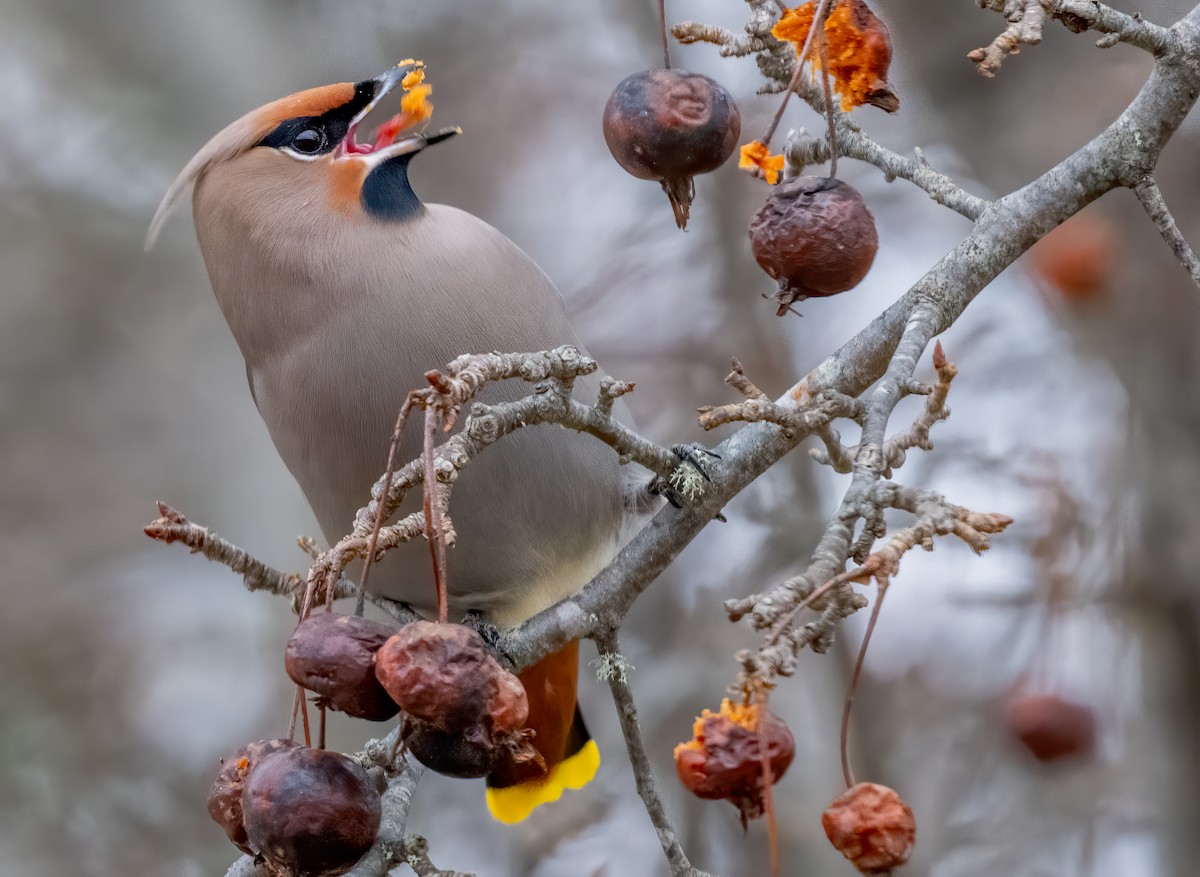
(387, 146)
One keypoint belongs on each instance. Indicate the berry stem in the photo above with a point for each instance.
(295, 712)
(433, 519)
(383, 498)
(847, 773)
(833, 157)
(764, 760)
(662, 26)
(818, 16)
(321, 729)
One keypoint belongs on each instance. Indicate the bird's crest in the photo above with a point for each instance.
(243, 134)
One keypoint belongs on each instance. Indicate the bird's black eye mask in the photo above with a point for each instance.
(318, 135)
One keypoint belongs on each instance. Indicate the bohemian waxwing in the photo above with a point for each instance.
(342, 289)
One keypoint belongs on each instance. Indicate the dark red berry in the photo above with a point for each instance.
(669, 126)
(474, 751)
(310, 812)
(334, 656)
(444, 675)
(1050, 727)
(871, 826)
(815, 236)
(225, 796)
(724, 758)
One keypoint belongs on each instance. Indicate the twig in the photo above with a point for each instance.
(433, 519)
(172, 526)
(468, 374)
(1025, 19)
(881, 591)
(1152, 200)
(827, 94)
(802, 149)
(895, 449)
(731, 45)
(643, 774)
(1081, 15)
(662, 25)
(389, 472)
(414, 852)
(818, 22)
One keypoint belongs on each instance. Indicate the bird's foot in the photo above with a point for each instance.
(688, 481)
(490, 634)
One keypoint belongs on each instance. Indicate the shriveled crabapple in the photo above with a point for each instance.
(225, 796)
(872, 827)
(815, 236)
(333, 656)
(310, 812)
(466, 713)
(724, 758)
(670, 125)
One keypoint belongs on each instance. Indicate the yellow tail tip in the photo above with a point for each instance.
(515, 803)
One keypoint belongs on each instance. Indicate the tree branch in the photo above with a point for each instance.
(1081, 15)
(613, 670)
(802, 149)
(1152, 200)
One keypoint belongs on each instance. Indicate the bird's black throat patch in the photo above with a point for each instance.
(386, 193)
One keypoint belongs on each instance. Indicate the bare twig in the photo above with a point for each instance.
(553, 369)
(662, 25)
(1025, 19)
(389, 472)
(895, 449)
(802, 149)
(414, 852)
(777, 610)
(731, 45)
(1081, 15)
(643, 773)
(171, 526)
(1151, 196)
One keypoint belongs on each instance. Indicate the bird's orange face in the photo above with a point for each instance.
(305, 146)
(320, 125)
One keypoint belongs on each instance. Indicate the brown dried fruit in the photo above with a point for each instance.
(670, 125)
(815, 236)
(724, 758)
(334, 656)
(443, 675)
(1079, 258)
(225, 796)
(1050, 727)
(310, 812)
(858, 47)
(871, 826)
(473, 752)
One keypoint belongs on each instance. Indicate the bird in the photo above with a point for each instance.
(342, 288)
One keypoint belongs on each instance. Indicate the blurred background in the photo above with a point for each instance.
(130, 667)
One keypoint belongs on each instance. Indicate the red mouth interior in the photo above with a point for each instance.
(385, 135)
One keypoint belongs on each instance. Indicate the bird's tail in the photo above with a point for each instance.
(561, 738)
